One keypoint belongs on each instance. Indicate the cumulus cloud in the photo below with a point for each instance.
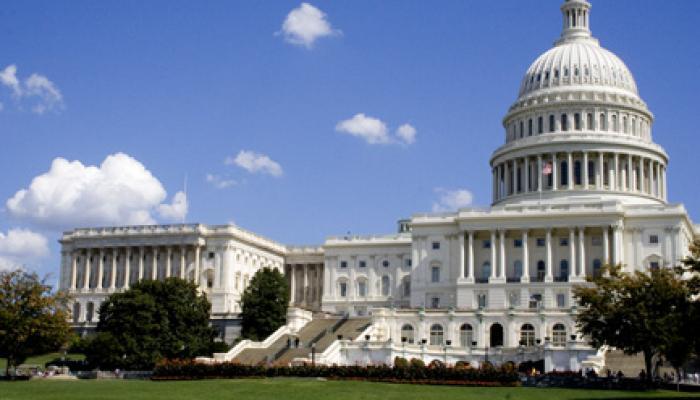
(19, 247)
(121, 191)
(372, 130)
(219, 182)
(406, 133)
(37, 91)
(452, 200)
(305, 24)
(256, 163)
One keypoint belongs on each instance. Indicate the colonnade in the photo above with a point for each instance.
(311, 285)
(113, 271)
(561, 171)
(499, 256)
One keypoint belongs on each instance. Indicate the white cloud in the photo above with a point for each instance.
(121, 191)
(255, 163)
(47, 95)
(452, 200)
(38, 91)
(372, 130)
(305, 24)
(175, 211)
(220, 182)
(406, 133)
(8, 77)
(20, 247)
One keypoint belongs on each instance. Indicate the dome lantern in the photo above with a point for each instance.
(576, 18)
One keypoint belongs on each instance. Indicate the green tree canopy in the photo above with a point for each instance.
(264, 304)
(32, 319)
(638, 312)
(150, 321)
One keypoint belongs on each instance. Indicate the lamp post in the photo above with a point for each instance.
(313, 354)
(448, 343)
(403, 344)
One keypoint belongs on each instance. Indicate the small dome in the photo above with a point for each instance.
(578, 63)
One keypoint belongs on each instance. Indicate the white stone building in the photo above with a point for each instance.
(577, 184)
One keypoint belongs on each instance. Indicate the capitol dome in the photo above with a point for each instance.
(579, 128)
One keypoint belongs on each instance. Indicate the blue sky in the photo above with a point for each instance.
(181, 87)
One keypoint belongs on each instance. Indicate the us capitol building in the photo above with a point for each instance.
(578, 183)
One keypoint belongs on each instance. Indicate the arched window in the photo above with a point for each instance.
(540, 271)
(436, 335)
(76, 312)
(496, 333)
(551, 123)
(362, 288)
(563, 270)
(564, 173)
(577, 172)
(435, 273)
(564, 123)
(385, 285)
(559, 335)
(522, 129)
(466, 335)
(527, 335)
(90, 311)
(591, 172)
(597, 265)
(342, 288)
(407, 334)
(603, 122)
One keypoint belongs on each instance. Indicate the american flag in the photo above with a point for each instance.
(547, 169)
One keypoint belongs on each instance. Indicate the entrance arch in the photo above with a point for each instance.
(496, 335)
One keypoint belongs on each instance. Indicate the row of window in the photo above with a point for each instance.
(467, 337)
(632, 125)
(385, 287)
(363, 263)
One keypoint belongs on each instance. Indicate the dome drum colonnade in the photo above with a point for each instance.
(579, 125)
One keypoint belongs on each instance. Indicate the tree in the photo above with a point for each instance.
(638, 312)
(264, 304)
(151, 321)
(33, 320)
(690, 270)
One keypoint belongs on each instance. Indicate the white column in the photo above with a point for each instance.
(548, 243)
(616, 171)
(555, 171)
(471, 256)
(494, 185)
(73, 270)
(305, 288)
(113, 275)
(663, 180)
(168, 263)
(86, 275)
(628, 180)
(461, 256)
(539, 173)
(526, 165)
(502, 263)
(599, 173)
(292, 285)
(141, 255)
(100, 269)
(526, 259)
(606, 246)
(657, 181)
(634, 185)
(570, 168)
(581, 253)
(642, 171)
(127, 268)
(183, 261)
(154, 264)
(572, 253)
(507, 179)
(197, 251)
(617, 244)
(494, 260)
(584, 179)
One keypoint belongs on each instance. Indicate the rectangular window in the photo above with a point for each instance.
(653, 239)
(436, 245)
(518, 243)
(211, 255)
(435, 274)
(362, 289)
(343, 264)
(514, 299)
(540, 242)
(535, 300)
(482, 300)
(540, 125)
(363, 264)
(343, 289)
(486, 244)
(561, 300)
(435, 302)
(564, 242)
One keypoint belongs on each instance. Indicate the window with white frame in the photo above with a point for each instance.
(482, 300)
(559, 335)
(343, 286)
(436, 245)
(343, 264)
(363, 264)
(596, 241)
(385, 285)
(514, 298)
(561, 300)
(527, 335)
(407, 286)
(653, 239)
(435, 273)
(466, 335)
(535, 300)
(435, 302)
(407, 334)
(436, 335)
(362, 288)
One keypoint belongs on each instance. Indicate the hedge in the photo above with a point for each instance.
(413, 373)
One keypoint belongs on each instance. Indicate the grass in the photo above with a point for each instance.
(41, 360)
(296, 388)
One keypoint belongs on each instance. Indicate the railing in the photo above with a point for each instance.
(512, 279)
(561, 279)
(481, 280)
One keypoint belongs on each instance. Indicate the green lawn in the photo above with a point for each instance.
(291, 389)
(41, 360)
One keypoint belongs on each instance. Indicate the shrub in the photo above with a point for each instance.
(400, 362)
(417, 363)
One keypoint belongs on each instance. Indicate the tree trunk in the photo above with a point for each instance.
(648, 356)
(10, 362)
(678, 379)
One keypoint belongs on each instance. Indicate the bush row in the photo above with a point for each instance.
(413, 372)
